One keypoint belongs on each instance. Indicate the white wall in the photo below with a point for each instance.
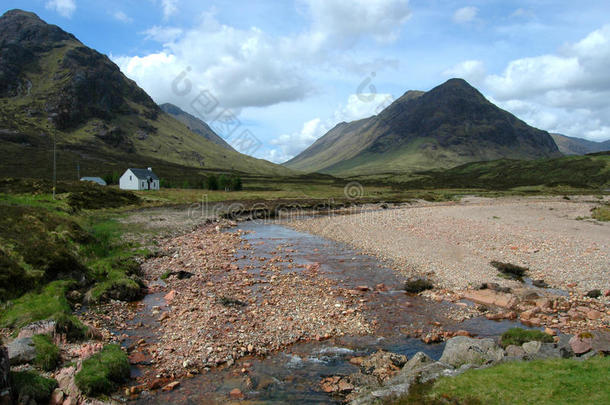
(129, 181)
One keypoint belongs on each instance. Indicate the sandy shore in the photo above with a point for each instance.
(454, 243)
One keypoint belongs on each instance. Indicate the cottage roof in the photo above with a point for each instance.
(144, 174)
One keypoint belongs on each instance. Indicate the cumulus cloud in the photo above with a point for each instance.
(64, 8)
(472, 71)
(465, 15)
(358, 106)
(122, 17)
(566, 92)
(246, 67)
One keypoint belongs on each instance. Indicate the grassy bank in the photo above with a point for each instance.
(557, 381)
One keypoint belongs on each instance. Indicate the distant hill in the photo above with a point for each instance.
(569, 145)
(195, 124)
(52, 87)
(590, 171)
(449, 125)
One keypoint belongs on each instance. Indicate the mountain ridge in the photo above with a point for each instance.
(569, 145)
(449, 125)
(55, 89)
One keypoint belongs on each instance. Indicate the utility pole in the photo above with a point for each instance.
(54, 163)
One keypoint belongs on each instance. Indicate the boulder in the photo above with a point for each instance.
(580, 345)
(462, 350)
(539, 351)
(515, 352)
(383, 365)
(601, 341)
(37, 328)
(565, 349)
(21, 351)
(5, 368)
(409, 371)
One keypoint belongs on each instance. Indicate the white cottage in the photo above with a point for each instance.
(139, 179)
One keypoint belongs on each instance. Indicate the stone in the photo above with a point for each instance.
(462, 350)
(601, 341)
(515, 352)
(565, 349)
(531, 347)
(57, 397)
(170, 296)
(37, 328)
(236, 394)
(593, 314)
(65, 380)
(171, 386)
(383, 365)
(491, 297)
(550, 331)
(344, 386)
(580, 345)
(21, 351)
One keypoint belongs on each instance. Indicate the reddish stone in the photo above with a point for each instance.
(593, 314)
(171, 386)
(169, 297)
(363, 288)
(580, 345)
(236, 393)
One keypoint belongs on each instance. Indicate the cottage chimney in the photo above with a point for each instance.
(150, 169)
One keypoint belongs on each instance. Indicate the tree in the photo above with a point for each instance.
(212, 182)
(236, 184)
(224, 183)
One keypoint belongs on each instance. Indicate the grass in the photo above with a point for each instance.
(518, 336)
(601, 213)
(103, 372)
(557, 381)
(47, 353)
(36, 306)
(29, 384)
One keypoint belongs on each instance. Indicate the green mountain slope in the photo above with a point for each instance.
(569, 145)
(54, 87)
(444, 127)
(589, 171)
(195, 124)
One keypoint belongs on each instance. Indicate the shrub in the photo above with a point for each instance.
(212, 182)
(70, 326)
(30, 384)
(510, 270)
(601, 213)
(518, 336)
(418, 285)
(104, 371)
(47, 353)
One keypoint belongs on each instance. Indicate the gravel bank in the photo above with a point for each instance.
(454, 243)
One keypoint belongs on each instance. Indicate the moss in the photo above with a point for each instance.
(47, 353)
(601, 213)
(103, 372)
(418, 285)
(29, 384)
(518, 336)
(510, 270)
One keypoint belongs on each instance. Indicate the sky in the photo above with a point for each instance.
(286, 72)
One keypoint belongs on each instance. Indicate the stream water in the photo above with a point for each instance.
(293, 375)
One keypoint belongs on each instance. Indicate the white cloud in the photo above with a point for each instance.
(170, 7)
(465, 15)
(64, 8)
(358, 106)
(163, 35)
(122, 17)
(565, 92)
(346, 21)
(472, 71)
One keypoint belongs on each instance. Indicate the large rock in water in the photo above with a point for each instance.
(462, 350)
(21, 351)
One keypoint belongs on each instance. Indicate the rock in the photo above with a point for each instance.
(344, 386)
(593, 314)
(381, 287)
(417, 285)
(550, 331)
(491, 297)
(236, 394)
(416, 363)
(601, 341)
(580, 345)
(516, 352)
(607, 293)
(37, 328)
(363, 288)
(357, 361)
(5, 368)
(170, 296)
(539, 283)
(576, 315)
(531, 347)
(594, 294)
(65, 380)
(164, 316)
(21, 351)
(565, 349)
(383, 365)
(171, 386)
(462, 350)
(57, 397)
(462, 333)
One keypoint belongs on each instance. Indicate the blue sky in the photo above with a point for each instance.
(291, 70)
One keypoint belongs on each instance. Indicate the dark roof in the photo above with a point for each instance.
(144, 174)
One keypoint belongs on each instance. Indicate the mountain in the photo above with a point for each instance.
(54, 88)
(195, 124)
(569, 145)
(449, 125)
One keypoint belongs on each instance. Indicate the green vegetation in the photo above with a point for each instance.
(418, 285)
(29, 384)
(104, 371)
(518, 336)
(601, 213)
(558, 381)
(70, 326)
(510, 270)
(47, 353)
